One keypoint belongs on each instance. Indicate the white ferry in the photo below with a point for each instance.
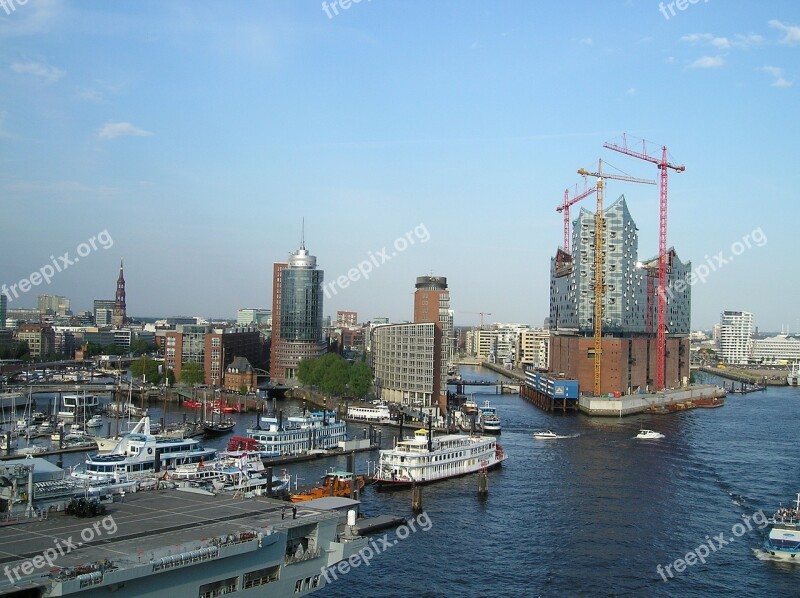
(315, 431)
(135, 455)
(783, 541)
(377, 414)
(424, 458)
(73, 406)
(490, 421)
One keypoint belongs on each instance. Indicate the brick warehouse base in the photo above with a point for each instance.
(628, 364)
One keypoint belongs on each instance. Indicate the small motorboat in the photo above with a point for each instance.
(649, 435)
(94, 422)
(545, 435)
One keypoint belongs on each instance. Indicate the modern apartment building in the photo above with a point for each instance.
(404, 361)
(735, 332)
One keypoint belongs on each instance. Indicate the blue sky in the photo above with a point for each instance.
(198, 135)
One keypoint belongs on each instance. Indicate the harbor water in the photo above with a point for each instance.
(596, 513)
(593, 513)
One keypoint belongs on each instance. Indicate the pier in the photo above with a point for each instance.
(666, 401)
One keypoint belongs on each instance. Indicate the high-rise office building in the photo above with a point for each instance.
(3, 309)
(296, 314)
(735, 336)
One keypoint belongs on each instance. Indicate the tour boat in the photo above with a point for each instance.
(314, 431)
(783, 541)
(375, 414)
(424, 458)
(649, 435)
(490, 422)
(136, 453)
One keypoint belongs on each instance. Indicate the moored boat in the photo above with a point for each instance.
(424, 458)
(335, 483)
(136, 454)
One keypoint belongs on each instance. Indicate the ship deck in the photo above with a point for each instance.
(149, 524)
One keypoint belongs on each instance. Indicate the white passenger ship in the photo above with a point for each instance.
(135, 455)
(376, 414)
(424, 458)
(315, 431)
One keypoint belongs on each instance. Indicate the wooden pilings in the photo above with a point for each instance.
(416, 498)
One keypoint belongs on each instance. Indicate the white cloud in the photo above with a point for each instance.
(113, 130)
(630, 91)
(587, 41)
(792, 32)
(38, 69)
(717, 42)
(777, 73)
(707, 62)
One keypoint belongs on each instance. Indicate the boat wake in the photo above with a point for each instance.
(763, 555)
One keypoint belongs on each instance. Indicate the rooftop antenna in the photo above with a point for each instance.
(303, 234)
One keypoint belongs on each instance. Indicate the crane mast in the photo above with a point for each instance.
(599, 287)
(663, 165)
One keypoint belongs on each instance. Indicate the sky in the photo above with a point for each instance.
(193, 139)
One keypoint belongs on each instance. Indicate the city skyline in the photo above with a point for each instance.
(195, 139)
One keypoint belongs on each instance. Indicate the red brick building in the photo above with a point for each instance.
(628, 364)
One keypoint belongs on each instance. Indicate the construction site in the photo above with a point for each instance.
(619, 324)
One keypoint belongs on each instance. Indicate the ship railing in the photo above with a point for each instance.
(306, 556)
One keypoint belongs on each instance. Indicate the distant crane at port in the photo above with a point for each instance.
(663, 165)
(564, 207)
(598, 262)
(481, 313)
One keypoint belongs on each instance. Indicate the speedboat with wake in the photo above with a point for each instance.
(649, 435)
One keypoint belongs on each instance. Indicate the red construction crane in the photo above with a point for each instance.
(564, 207)
(663, 165)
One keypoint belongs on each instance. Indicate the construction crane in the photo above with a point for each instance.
(663, 165)
(481, 313)
(564, 207)
(598, 262)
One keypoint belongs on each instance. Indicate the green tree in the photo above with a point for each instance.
(243, 389)
(170, 377)
(147, 368)
(309, 372)
(334, 374)
(141, 347)
(192, 373)
(360, 379)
